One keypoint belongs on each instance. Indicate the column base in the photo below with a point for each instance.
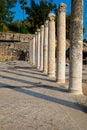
(60, 80)
(45, 72)
(38, 67)
(76, 92)
(41, 69)
(51, 75)
(33, 64)
(75, 85)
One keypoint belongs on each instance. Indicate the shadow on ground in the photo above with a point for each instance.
(46, 97)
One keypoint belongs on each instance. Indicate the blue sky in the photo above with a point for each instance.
(18, 11)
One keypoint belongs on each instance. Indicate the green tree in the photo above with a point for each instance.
(6, 15)
(37, 13)
(23, 4)
(17, 26)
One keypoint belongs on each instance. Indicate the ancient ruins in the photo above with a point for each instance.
(41, 47)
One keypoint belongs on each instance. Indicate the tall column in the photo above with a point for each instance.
(33, 40)
(61, 43)
(38, 48)
(41, 46)
(76, 42)
(51, 46)
(45, 48)
(30, 46)
(31, 51)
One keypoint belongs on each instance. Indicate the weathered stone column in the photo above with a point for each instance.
(76, 42)
(29, 50)
(38, 48)
(30, 46)
(45, 48)
(33, 40)
(51, 45)
(61, 43)
(41, 46)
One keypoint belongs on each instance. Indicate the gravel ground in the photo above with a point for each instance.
(30, 100)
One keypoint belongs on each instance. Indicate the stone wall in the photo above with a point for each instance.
(13, 50)
(15, 36)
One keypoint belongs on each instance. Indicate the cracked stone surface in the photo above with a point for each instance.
(30, 100)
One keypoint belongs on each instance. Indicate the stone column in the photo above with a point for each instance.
(61, 44)
(76, 42)
(33, 40)
(45, 48)
(31, 51)
(30, 48)
(38, 48)
(51, 46)
(41, 46)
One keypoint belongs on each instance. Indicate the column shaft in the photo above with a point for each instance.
(51, 46)
(30, 51)
(38, 48)
(61, 43)
(33, 50)
(76, 42)
(45, 48)
(41, 46)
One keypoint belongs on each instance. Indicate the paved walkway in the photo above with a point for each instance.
(29, 100)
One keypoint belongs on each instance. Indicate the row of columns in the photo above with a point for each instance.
(43, 46)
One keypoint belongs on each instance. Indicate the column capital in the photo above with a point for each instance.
(38, 30)
(42, 27)
(62, 8)
(46, 23)
(35, 33)
(51, 17)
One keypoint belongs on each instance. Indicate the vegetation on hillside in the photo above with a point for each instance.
(36, 15)
(6, 15)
